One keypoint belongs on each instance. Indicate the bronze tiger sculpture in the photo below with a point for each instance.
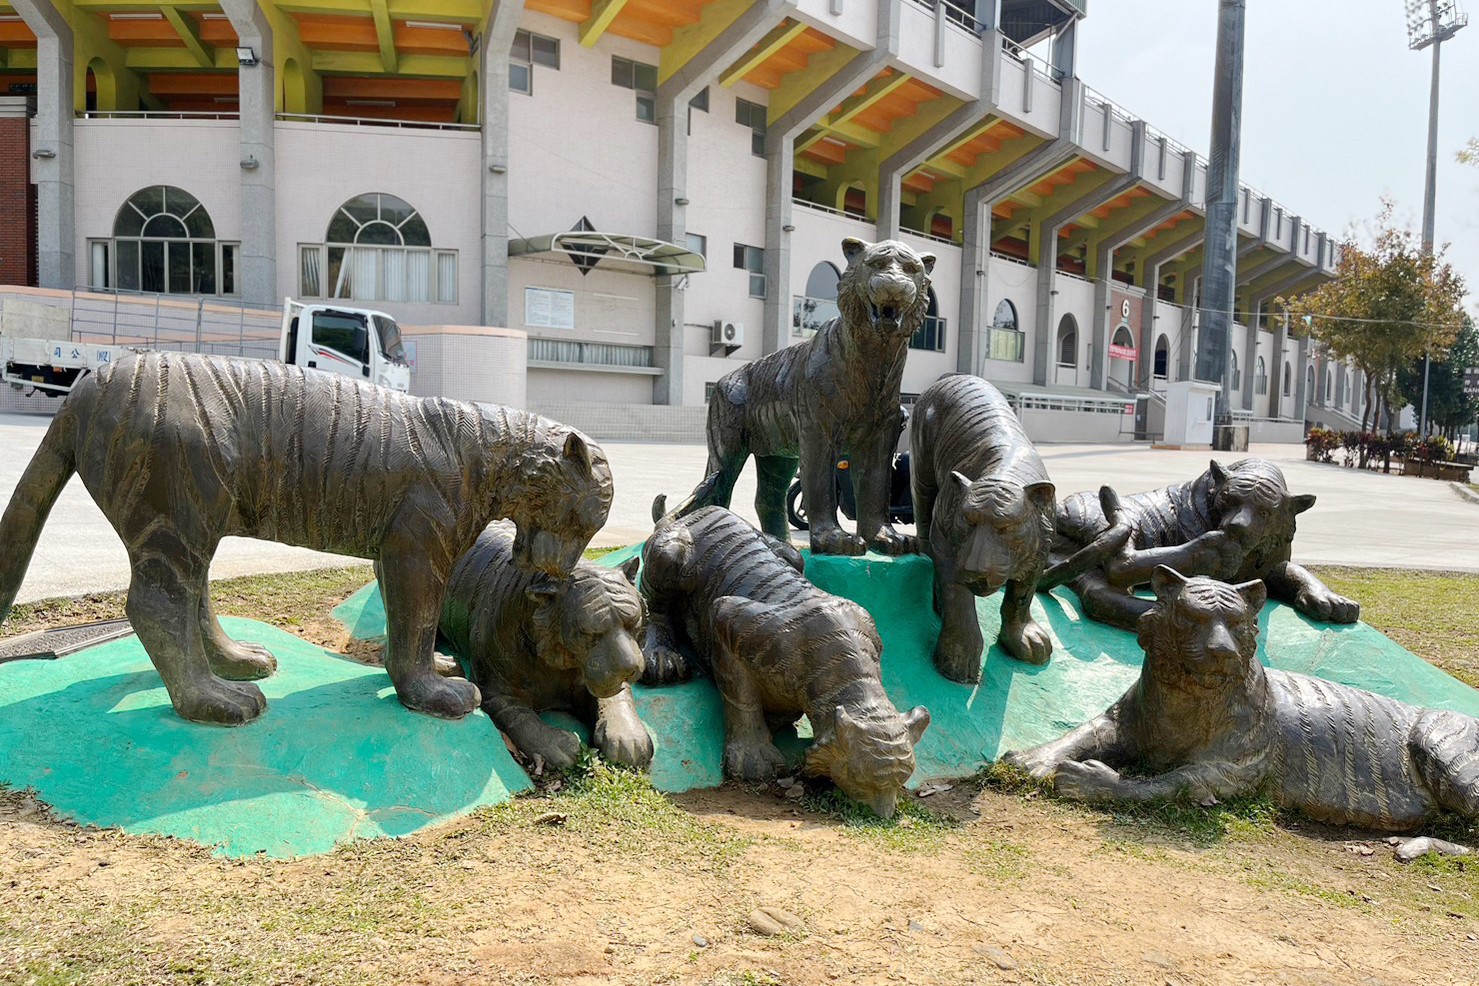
(1233, 523)
(984, 509)
(1207, 720)
(181, 450)
(834, 395)
(777, 647)
(534, 644)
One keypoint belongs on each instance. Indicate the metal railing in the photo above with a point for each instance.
(1033, 62)
(158, 115)
(366, 121)
(927, 236)
(954, 15)
(572, 353)
(818, 207)
(1047, 401)
(183, 323)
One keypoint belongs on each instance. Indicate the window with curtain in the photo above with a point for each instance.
(378, 248)
(164, 242)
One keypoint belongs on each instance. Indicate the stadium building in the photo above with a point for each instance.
(597, 208)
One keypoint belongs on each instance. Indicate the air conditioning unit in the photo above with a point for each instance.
(731, 335)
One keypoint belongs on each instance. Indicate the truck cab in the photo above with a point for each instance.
(353, 342)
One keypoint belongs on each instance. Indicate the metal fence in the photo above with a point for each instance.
(589, 353)
(174, 322)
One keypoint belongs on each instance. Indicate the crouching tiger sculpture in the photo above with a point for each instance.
(984, 507)
(181, 450)
(1233, 523)
(535, 644)
(1207, 720)
(777, 647)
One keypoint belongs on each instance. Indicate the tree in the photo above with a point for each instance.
(1470, 152)
(1449, 408)
(1388, 305)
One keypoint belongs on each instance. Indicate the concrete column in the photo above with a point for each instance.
(1276, 368)
(1301, 373)
(497, 39)
(56, 223)
(780, 143)
(1250, 352)
(1065, 51)
(257, 279)
(673, 97)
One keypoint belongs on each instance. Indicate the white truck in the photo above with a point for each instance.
(37, 350)
(353, 342)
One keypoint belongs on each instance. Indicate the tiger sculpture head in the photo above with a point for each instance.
(1200, 632)
(996, 528)
(1252, 504)
(885, 287)
(559, 501)
(592, 621)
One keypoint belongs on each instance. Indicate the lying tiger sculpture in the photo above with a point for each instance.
(1206, 720)
(535, 644)
(1233, 523)
(984, 509)
(835, 395)
(180, 450)
(777, 647)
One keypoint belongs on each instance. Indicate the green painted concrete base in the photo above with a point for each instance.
(335, 757)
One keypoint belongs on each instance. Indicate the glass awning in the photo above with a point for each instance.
(633, 254)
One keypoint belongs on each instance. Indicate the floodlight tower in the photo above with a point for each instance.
(1430, 23)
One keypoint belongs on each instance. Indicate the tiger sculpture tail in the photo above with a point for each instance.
(50, 468)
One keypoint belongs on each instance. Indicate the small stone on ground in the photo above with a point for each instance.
(771, 921)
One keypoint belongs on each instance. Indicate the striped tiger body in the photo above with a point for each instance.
(535, 645)
(1234, 522)
(832, 396)
(1209, 721)
(180, 450)
(984, 509)
(776, 647)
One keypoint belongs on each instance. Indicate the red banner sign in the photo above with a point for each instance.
(1122, 352)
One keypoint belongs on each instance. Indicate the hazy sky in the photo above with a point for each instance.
(1335, 106)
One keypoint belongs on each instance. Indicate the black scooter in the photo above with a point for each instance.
(900, 497)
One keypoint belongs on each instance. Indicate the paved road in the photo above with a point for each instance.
(1362, 518)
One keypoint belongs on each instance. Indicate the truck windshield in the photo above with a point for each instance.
(390, 340)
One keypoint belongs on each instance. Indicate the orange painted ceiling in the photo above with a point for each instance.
(13, 31)
(988, 140)
(648, 21)
(138, 29)
(791, 58)
(326, 32)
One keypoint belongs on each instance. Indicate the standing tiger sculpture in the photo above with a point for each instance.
(1233, 523)
(776, 647)
(1206, 720)
(984, 509)
(180, 450)
(535, 644)
(835, 395)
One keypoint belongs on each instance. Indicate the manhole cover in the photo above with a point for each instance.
(59, 642)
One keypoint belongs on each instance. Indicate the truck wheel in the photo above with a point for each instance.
(795, 509)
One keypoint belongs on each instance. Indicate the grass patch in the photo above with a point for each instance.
(913, 828)
(1429, 613)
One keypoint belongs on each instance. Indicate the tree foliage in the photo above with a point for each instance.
(1449, 408)
(1389, 303)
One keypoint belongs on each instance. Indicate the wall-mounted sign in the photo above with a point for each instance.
(549, 308)
(1125, 309)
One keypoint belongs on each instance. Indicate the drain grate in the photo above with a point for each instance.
(46, 645)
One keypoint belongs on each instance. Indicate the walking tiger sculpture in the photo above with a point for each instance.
(1233, 523)
(181, 450)
(1207, 720)
(984, 509)
(777, 647)
(534, 644)
(835, 395)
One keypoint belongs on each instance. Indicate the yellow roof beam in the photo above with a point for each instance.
(779, 36)
(850, 132)
(875, 90)
(385, 34)
(690, 40)
(603, 12)
(796, 86)
(204, 54)
(470, 11)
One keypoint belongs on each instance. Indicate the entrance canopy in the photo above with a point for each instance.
(620, 251)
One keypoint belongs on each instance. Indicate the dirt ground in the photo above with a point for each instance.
(605, 881)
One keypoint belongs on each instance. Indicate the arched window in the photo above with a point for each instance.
(1067, 342)
(1288, 374)
(1162, 364)
(1004, 340)
(811, 311)
(1309, 384)
(164, 241)
(1329, 385)
(1234, 374)
(1260, 377)
(930, 336)
(377, 248)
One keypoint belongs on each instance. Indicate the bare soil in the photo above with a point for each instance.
(605, 881)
